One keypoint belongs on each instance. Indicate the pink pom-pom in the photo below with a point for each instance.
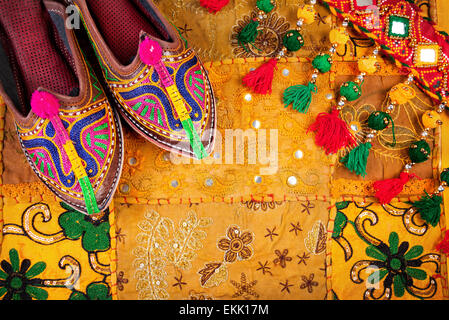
(44, 104)
(150, 52)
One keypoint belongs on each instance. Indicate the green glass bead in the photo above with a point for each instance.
(322, 62)
(351, 91)
(419, 151)
(444, 177)
(378, 120)
(293, 40)
(265, 5)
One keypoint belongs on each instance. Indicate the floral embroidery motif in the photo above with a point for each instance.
(92, 232)
(393, 269)
(398, 265)
(282, 258)
(308, 283)
(162, 244)
(245, 289)
(236, 245)
(18, 281)
(267, 43)
(121, 281)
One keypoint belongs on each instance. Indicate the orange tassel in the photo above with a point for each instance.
(261, 79)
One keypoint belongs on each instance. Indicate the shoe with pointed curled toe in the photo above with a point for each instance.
(68, 131)
(160, 85)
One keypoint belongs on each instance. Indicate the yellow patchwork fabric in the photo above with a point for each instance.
(51, 252)
(259, 146)
(232, 228)
(383, 252)
(243, 251)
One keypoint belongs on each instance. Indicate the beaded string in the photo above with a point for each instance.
(260, 80)
(419, 151)
(332, 133)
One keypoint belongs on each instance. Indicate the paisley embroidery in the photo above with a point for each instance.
(148, 102)
(92, 129)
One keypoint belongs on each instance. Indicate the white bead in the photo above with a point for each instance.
(258, 179)
(209, 182)
(248, 97)
(286, 72)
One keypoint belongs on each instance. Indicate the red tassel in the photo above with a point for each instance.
(332, 133)
(260, 80)
(443, 246)
(213, 5)
(386, 190)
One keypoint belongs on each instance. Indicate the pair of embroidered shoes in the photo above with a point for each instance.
(68, 130)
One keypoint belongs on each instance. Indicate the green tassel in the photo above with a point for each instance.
(249, 34)
(300, 97)
(430, 208)
(357, 159)
(265, 5)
